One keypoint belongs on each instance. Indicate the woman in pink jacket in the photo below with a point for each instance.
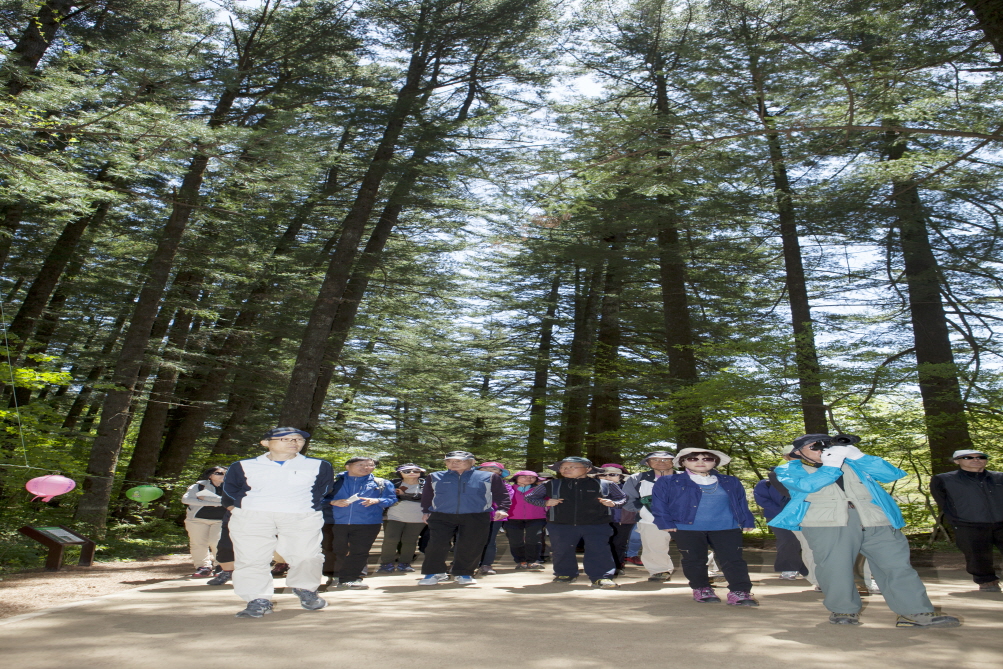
(525, 522)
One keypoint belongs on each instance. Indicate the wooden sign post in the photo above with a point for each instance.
(56, 538)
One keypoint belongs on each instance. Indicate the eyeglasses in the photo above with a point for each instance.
(287, 439)
(973, 457)
(410, 471)
(607, 474)
(215, 473)
(696, 459)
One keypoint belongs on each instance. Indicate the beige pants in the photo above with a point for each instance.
(203, 535)
(257, 535)
(655, 548)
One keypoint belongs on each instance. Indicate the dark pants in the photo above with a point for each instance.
(346, 550)
(618, 542)
(524, 539)
(788, 552)
(398, 533)
(598, 558)
(976, 542)
(491, 549)
(727, 547)
(471, 531)
(224, 549)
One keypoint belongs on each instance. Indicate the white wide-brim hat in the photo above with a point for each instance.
(681, 455)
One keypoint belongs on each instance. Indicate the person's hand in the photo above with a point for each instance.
(554, 502)
(340, 502)
(229, 508)
(672, 530)
(424, 517)
(400, 491)
(834, 456)
(500, 515)
(853, 453)
(606, 502)
(369, 501)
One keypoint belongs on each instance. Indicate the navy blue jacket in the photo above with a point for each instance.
(767, 496)
(474, 491)
(355, 513)
(674, 501)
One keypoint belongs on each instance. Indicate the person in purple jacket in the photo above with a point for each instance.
(706, 509)
(525, 523)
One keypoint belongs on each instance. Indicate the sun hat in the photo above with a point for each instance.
(459, 455)
(410, 465)
(723, 457)
(504, 472)
(571, 458)
(968, 451)
(523, 472)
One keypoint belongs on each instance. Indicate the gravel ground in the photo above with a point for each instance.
(38, 589)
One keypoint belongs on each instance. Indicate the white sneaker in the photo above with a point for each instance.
(789, 575)
(433, 579)
(464, 580)
(873, 587)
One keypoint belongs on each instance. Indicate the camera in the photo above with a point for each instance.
(837, 440)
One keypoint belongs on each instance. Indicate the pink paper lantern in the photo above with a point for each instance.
(49, 486)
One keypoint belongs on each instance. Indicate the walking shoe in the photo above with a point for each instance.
(354, 585)
(991, 586)
(634, 560)
(332, 580)
(605, 584)
(405, 566)
(844, 618)
(929, 619)
(522, 565)
(465, 580)
(309, 599)
(565, 579)
(873, 587)
(279, 569)
(220, 578)
(661, 577)
(705, 596)
(789, 575)
(387, 568)
(486, 570)
(741, 598)
(433, 579)
(536, 566)
(202, 572)
(256, 608)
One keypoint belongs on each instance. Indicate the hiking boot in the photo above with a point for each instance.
(991, 586)
(521, 566)
(387, 568)
(433, 579)
(634, 560)
(565, 579)
(279, 569)
(535, 566)
(221, 578)
(353, 585)
(256, 608)
(929, 619)
(741, 598)
(605, 584)
(486, 570)
(405, 566)
(202, 572)
(309, 599)
(844, 618)
(789, 575)
(705, 596)
(661, 577)
(465, 580)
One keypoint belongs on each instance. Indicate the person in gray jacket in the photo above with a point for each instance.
(204, 519)
(638, 487)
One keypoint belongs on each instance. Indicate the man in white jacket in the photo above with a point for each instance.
(637, 487)
(277, 500)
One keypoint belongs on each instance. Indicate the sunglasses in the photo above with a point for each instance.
(699, 459)
(608, 475)
(973, 457)
(410, 471)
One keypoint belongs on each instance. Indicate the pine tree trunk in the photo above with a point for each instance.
(603, 439)
(578, 381)
(34, 41)
(943, 407)
(990, 17)
(538, 393)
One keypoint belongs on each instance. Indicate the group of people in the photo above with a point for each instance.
(825, 505)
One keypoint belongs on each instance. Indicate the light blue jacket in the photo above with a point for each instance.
(871, 469)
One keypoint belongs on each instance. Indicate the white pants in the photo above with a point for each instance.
(257, 534)
(655, 548)
(203, 535)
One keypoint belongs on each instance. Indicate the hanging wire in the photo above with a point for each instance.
(10, 366)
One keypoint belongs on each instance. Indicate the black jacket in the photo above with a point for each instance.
(966, 497)
(581, 500)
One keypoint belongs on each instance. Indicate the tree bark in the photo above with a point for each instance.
(34, 41)
(541, 372)
(943, 406)
(603, 439)
(990, 16)
(578, 381)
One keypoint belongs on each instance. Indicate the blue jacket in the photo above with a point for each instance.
(674, 501)
(355, 513)
(871, 470)
(474, 491)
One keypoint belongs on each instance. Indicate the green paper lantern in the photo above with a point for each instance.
(144, 494)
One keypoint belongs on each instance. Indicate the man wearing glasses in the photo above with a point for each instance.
(971, 499)
(277, 501)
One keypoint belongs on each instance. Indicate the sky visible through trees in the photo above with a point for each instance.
(527, 228)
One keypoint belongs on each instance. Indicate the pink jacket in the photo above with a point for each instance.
(523, 510)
